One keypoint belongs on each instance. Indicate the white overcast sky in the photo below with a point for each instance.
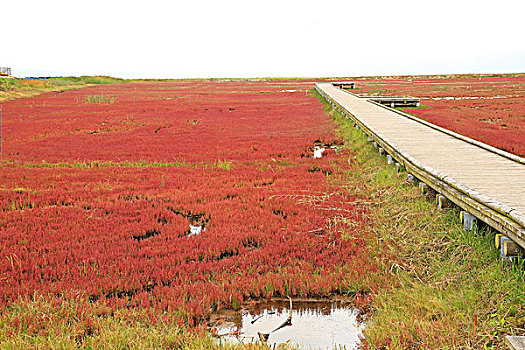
(191, 39)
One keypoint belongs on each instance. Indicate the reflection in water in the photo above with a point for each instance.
(314, 325)
(318, 151)
(195, 230)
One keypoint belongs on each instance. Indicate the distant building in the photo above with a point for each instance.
(5, 71)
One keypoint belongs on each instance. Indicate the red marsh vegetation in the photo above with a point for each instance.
(178, 199)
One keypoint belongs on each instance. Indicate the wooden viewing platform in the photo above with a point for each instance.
(344, 84)
(487, 183)
(394, 101)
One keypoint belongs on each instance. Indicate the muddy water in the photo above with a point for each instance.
(314, 325)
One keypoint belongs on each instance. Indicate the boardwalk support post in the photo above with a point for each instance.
(443, 202)
(508, 248)
(423, 188)
(389, 159)
(497, 240)
(381, 151)
(511, 248)
(470, 222)
(411, 179)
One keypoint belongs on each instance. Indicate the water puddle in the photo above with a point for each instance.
(197, 221)
(310, 325)
(198, 224)
(195, 230)
(319, 150)
(323, 148)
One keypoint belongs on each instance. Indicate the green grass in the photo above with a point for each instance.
(442, 276)
(221, 164)
(412, 107)
(9, 84)
(99, 98)
(73, 324)
(91, 80)
(13, 88)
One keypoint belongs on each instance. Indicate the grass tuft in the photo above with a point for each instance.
(99, 99)
(222, 164)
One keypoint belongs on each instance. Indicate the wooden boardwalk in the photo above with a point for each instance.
(488, 183)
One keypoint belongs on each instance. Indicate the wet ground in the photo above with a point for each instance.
(311, 324)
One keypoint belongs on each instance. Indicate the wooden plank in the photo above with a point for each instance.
(363, 107)
(461, 167)
(394, 100)
(516, 342)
